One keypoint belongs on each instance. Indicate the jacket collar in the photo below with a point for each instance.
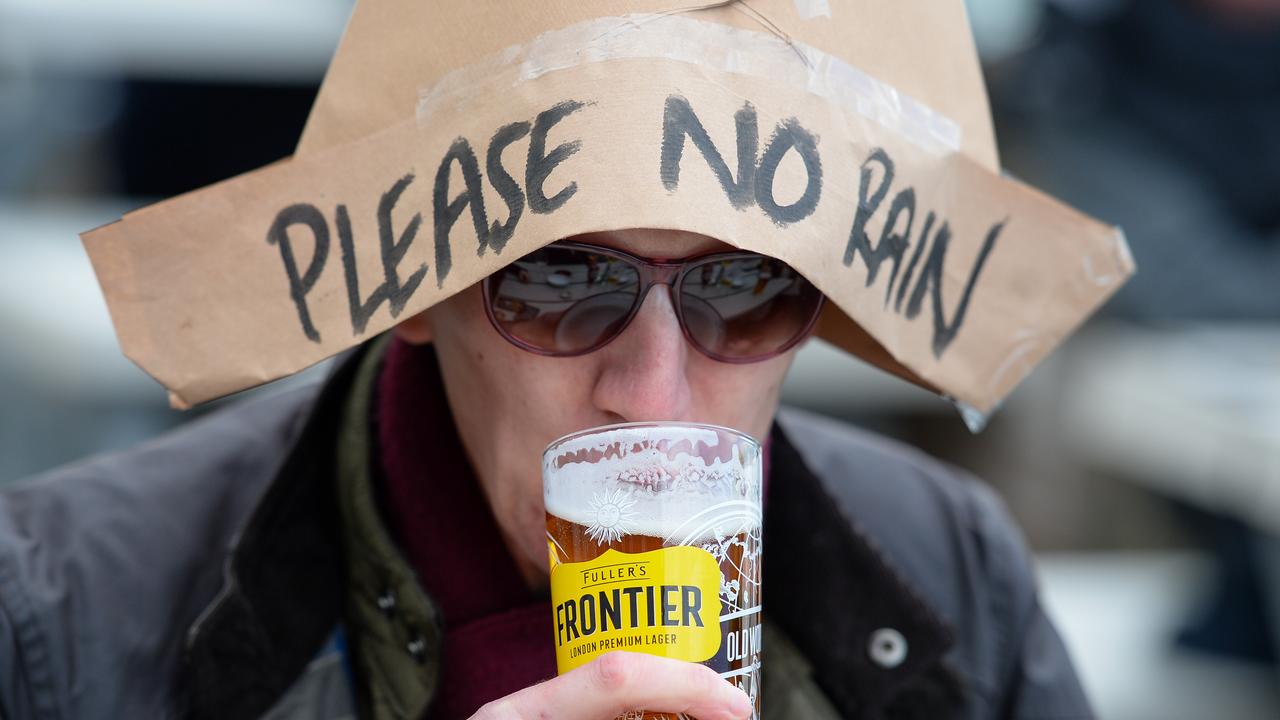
(394, 630)
(826, 585)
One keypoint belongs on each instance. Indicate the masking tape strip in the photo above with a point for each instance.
(810, 9)
(707, 44)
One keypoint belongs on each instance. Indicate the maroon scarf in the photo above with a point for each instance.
(498, 634)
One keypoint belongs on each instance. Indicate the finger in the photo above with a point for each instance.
(622, 681)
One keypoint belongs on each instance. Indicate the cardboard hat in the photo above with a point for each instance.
(850, 139)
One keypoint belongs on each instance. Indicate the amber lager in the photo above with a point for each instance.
(654, 538)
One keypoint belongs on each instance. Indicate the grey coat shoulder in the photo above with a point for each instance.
(105, 563)
(951, 538)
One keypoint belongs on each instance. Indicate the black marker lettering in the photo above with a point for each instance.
(859, 243)
(391, 252)
(360, 310)
(508, 188)
(393, 249)
(915, 258)
(679, 120)
(788, 135)
(447, 212)
(541, 163)
(937, 255)
(893, 245)
(931, 280)
(300, 285)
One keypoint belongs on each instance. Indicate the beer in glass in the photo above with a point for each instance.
(654, 534)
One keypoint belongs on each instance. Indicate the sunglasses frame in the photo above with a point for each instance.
(652, 272)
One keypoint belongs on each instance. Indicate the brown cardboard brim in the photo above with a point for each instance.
(941, 271)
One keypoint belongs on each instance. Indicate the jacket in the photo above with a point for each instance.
(200, 576)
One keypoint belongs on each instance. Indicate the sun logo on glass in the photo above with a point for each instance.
(613, 516)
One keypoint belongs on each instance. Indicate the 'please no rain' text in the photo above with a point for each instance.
(911, 245)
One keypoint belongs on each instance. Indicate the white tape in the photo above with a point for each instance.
(720, 47)
(1111, 269)
(810, 9)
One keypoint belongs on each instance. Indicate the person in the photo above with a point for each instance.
(374, 545)
(377, 543)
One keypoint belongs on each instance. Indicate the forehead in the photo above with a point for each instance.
(652, 243)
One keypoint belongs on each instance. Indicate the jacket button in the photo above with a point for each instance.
(887, 648)
(387, 602)
(417, 648)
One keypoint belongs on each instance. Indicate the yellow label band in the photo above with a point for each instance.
(664, 602)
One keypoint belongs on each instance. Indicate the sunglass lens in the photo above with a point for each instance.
(746, 308)
(563, 301)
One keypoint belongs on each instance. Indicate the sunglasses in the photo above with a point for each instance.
(571, 298)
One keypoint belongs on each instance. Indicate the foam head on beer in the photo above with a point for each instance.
(679, 483)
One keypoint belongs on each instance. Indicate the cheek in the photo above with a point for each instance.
(743, 397)
(508, 404)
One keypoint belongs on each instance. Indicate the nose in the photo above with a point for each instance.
(643, 372)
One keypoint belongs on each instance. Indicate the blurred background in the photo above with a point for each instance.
(1143, 460)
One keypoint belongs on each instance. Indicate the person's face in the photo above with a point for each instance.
(509, 403)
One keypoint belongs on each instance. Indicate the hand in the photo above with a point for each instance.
(617, 682)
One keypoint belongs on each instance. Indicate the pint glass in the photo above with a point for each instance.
(654, 535)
